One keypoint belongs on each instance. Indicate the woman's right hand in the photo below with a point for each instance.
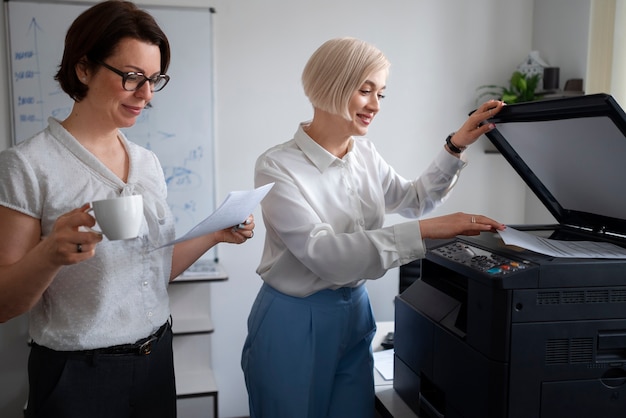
(29, 263)
(67, 243)
(449, 226)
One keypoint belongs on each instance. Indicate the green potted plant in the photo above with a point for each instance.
(522, 88)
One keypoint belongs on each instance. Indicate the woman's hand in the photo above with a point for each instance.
(67, 243)
(474, 127)
(187, 252)
(239, 234)
(449, 226)
(28, 263)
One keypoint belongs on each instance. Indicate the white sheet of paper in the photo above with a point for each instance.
(234, 210)
(383, 361)
(557, 248)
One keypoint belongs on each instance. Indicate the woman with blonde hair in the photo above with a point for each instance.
(308, 350)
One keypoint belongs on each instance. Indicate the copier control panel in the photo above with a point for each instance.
(478, 259)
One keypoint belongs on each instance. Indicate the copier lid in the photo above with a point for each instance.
(571, 152)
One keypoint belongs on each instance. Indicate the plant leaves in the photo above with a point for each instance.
(521, 89)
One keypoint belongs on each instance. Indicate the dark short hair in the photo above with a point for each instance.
(95, 34)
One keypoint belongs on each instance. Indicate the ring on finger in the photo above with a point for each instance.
(79, 248)
(473, 219)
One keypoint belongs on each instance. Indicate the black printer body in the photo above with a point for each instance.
(496, 331)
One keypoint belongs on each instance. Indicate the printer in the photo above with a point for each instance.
(497, 331)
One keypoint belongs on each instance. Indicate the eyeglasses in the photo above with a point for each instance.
(132, 81)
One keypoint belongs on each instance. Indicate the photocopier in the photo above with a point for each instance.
(497, 331)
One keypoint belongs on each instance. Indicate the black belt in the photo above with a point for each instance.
(142, 347)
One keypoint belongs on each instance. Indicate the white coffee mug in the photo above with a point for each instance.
(119, 217)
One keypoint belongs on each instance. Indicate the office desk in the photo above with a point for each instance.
(388, 402)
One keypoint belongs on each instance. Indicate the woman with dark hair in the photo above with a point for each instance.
(308, 350)
(98, 309)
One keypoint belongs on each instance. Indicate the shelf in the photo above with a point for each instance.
(195, 383)
(197, 406)
(192, 390)
(190, 299)
(203, 270)
(197, 278)
(192, 352)
(191, 325)
(190, 307)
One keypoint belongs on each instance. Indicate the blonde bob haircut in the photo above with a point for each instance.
(337, 69)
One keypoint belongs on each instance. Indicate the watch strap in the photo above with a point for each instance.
(455, 149)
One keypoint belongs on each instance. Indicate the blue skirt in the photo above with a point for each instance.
(310, 357)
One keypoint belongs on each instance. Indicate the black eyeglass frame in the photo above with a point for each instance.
(126, 75)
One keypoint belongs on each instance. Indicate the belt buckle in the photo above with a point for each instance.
(146, 348)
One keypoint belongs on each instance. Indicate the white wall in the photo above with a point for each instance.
(561, 35)
(440, 53)
(618, 81)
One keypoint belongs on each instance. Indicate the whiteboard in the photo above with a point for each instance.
(179, 125)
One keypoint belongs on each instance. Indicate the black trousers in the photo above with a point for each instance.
(96, 385)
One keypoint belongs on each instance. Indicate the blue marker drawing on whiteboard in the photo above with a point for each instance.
(178, 178)
(26, 70)
(184, 213)
(195, 154)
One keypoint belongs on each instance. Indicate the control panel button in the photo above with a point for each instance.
(479, 259)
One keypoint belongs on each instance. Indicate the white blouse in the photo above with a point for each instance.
(324, 216)
(119, 295)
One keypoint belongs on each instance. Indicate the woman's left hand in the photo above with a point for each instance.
(474, 127)
(239, 233)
